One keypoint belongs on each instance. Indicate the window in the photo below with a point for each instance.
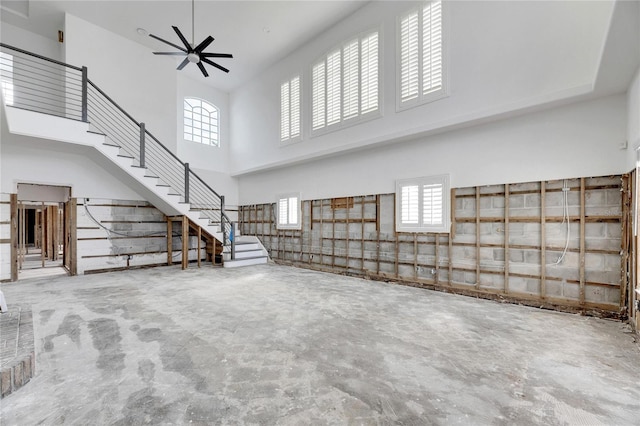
(345, 83)
(422, 205)
(201, 122)
(421, 65)
(6, 77)
(289, 211)
(290, 110)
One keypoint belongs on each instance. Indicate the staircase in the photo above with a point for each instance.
(83, 114)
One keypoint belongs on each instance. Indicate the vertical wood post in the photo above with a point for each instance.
(477, 237)
(73, 236)
(582, 241)
(14, 236)
(543, 241)
(185, 242)
(506, 238)
(199, 243)
(169, 241)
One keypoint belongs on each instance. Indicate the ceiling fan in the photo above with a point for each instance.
(193, 54)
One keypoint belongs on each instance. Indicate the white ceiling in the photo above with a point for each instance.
(257, 33)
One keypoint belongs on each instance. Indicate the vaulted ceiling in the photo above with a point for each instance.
(257, 33)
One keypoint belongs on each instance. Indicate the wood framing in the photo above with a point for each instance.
(501, 241)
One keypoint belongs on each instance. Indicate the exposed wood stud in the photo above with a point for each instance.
(199, 244)
(14, 236)
(477, 237)
(377, 234)
(169, 241)
(362, 212)
(348, 207)
(506, 238)
(43, 238)
(543, 243)
(73, 236)
(415, 256)
(582, 241)
(185, 242)
(437, 268)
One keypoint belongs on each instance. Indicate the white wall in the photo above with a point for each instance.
(143, 84)
(581, 139)
(26, 40)
(633, 122)
(504, 56)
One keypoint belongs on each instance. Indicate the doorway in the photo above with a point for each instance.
(45, 231)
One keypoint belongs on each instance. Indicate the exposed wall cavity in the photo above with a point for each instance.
(533, 243)
(116, 234)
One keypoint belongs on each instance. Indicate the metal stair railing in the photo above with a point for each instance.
(36, 83)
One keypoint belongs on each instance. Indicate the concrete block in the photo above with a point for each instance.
(18, 378)
(595, 261)
(532, 201)
(5, 382)
(612, 295)
(594, 230)
(516, 255)
(594, 294)
(532, 256)
(613, 230)
(612, 262)
(516, 201)
(608, 277)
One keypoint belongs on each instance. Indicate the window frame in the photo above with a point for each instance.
(297, 138)
(443, 92)
(420, 227)
(345, 122)
(297, 225)
(212, 142)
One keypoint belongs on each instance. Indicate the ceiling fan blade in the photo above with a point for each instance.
(168, 42)
(220, 67)
(204, 71)
(184, 40)
(183, 64)
(170, 53)
(216, 55)
(206, 42)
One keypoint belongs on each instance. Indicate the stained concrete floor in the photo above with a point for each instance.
(277, 345)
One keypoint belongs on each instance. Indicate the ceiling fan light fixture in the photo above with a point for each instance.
(190, 52)
(194, 58)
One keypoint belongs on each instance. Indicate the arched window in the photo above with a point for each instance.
(201, 122)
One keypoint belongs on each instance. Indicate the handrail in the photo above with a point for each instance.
(113, 102)
(103, 114)
(35, 55)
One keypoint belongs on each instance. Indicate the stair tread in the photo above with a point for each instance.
(246, 258)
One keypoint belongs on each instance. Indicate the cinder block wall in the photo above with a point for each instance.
(115, 234)
(507, 242)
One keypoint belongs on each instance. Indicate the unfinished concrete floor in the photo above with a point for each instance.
(279, 345)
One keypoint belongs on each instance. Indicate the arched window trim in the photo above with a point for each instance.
(201, 121)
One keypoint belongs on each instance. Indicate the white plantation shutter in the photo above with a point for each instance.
(432, 47)
(295, 107)
(283, 211)
(369, 73)
(409, 204)
(422, 205)
(421, 76)
(293, 211)
(289, 211)
(285, 112)
(290, 109)
(318, 93)
(334, 88)
(409, 57)
(432, 204)
(345, 83)
(351, 79)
